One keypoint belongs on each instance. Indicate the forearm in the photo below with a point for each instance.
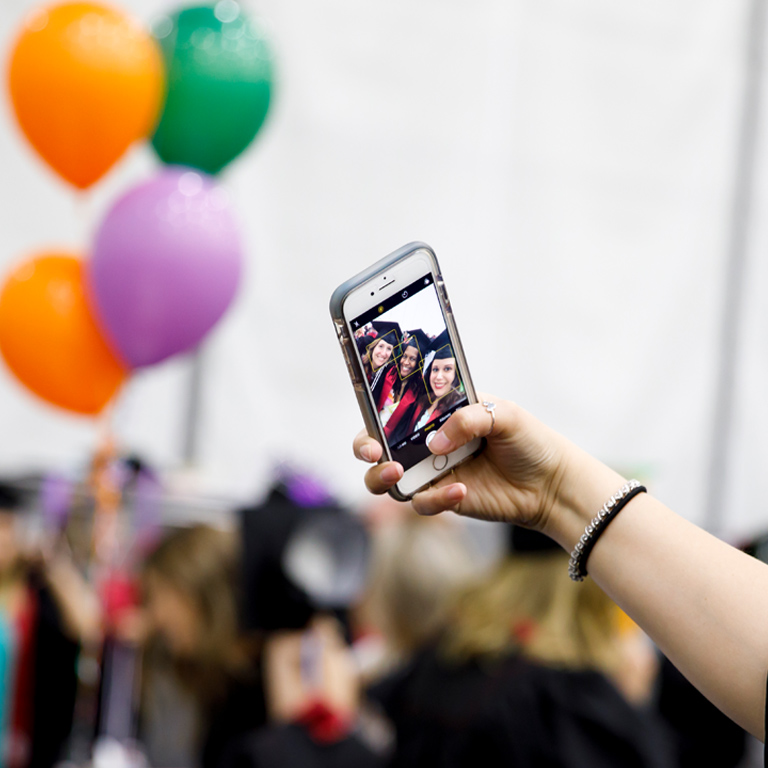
(702, 601)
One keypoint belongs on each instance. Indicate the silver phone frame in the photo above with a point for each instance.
(424, 473)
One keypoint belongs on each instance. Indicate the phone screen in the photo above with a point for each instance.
(410, 366)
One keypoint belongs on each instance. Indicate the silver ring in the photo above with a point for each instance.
(491, 408)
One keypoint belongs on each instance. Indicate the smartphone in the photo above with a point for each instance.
(405, 359)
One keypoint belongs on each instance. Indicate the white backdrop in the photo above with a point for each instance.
(571, 162)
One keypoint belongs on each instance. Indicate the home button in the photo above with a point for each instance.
(440, 462)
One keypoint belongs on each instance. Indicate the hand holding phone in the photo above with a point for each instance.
(518, 477)
(404, 356)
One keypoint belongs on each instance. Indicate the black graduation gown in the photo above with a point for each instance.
(243, 710)
(54, 681)
(705, 735)
(290, 746)
(406, 422)
(515, 714)
(239, 736)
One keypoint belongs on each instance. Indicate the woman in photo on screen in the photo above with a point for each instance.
(379, 352)
(402, 384)
(442, 390)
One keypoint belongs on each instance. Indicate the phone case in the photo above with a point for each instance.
(356, 373)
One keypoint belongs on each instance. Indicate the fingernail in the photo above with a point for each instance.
(440, 443)
(390, 474)
(455, 492)
(365, 452)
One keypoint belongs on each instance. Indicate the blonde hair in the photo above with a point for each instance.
(417, 566)
(530, 605)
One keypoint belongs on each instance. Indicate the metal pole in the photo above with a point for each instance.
(741, 217)
(191, 424)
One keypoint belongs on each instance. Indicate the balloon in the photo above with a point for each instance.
(165, 266)
(49, 338)
(86, 82)
(219, 82)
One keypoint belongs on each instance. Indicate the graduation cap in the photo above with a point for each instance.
(298, 560)
(388, 331)
(420, 340)
(11, 498)
(416, 339)
(441, 346)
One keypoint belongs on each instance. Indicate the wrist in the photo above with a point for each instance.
(583, 486)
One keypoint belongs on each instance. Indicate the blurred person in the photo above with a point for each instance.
(253, 709)
(51, 612)
(366, 330)
(525, 673)
(313, 696)
(416, 568)
(529, 605)
(15, 618)
(190, 596)
(363, 342)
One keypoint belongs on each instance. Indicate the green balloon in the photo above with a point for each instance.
(219, 81)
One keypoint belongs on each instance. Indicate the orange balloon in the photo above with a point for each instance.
(49, 338)
(86, 81)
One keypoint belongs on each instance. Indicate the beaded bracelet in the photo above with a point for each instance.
(577, 565)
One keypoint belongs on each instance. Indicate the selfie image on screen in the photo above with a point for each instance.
(410, 367)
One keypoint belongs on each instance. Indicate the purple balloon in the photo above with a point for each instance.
(165, 266)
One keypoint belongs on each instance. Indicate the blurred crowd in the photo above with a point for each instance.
(299, 633)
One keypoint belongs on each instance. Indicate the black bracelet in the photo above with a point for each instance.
(577, 565)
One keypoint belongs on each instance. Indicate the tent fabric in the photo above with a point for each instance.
(573, 166)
